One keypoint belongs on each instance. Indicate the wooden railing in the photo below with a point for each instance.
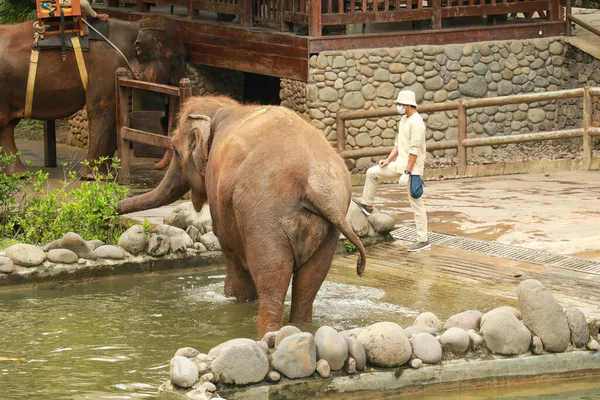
(587, 132)
(569, 18)
(126, 134)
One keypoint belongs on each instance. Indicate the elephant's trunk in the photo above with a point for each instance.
(172, 187)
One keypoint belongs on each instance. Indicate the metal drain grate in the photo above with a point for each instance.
(502, 250)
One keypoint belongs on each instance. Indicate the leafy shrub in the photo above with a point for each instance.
(350, 247)
(87, 208)
(13, 11)
(33, 125)
(10, 186)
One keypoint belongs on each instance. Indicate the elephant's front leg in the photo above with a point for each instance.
(7, 142)
(102, 131)
(238, 282)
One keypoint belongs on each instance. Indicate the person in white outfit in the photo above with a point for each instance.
(406, 162)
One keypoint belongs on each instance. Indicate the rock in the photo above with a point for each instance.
(204, 363)
(284, 332)
(509, 309)
(241, 364)
(215, 351)
(184, 373)
(331, 347)
(6, 265)
(72, 241)
(426, 347)
(352, 332)
(158, 245)
(416, 363)
(357, 220)
(25, 255)
(578, 326)
(323, 368)
(455, 340)
(474, 87)
(537, 345)
(385, 344)
(466, 320)
(94, 244)
(184, 215)
(382, 223)
(428, 322)
(210, 241)
(505, 334)
(133, 240)
(109, 252)
(274, 376)
(199, 247)
(188, 352)
(269, 339)
(357, 352)
(179, 240)
(296, 356)
(593, 345)
(194, 233)
(475, 339)
(543, 315)
(62, 256)
(411, 330)
(55, 244)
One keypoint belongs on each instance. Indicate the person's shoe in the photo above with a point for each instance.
(368, 210)
(418, 246)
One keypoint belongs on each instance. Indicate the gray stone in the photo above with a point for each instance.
(434, 83)
(353, 101)
(537, 345)
(412, 330)
(184, 215)
(194, 233)
(323, 369)
(350, 366)
(408, 78)
(269, 339)
(385, 344)
(296, 356)
(55, 244)
(94, 244)
(72, 241)
(428, 322)
(475, 339)
(353, 333)
(6, 265)
(455, 340)
(416, 363)
(578, 326)
(509, 309)
(480, 69)
(357, 220)
(505, 334)
(474, 87)
(556, 48)
(179, 241)
(284, 332)
(543, 315)
(216, 351)
(204, 362)
(382, 223)
(184, 373)
(241, 364)
(25, 255)
(357, 352)
(210, 241)
(133, 240)
(505, 88)
(438, 121)
(466, 320)
(274, 376)
(64, 256)
(109, 252)
(158, 245)
(363, 139)
(188, 352)
(331, 347)
(426, 347)
(328, 94)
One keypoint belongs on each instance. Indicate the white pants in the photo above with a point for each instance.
(375, 175)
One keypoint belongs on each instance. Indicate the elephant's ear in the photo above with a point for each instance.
(199, 139)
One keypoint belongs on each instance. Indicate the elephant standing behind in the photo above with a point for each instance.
(152, 46)
(278, 194)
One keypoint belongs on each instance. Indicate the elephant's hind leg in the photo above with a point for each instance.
(238, 282)
(7, 142)
(309, 278)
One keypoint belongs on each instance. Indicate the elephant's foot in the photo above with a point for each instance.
(15, 167)
(165, 161)
(242, 288)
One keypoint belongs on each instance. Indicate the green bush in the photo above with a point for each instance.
(350, 247)
(32, 125)
(10, 186)
(13, 11)
(87, 208)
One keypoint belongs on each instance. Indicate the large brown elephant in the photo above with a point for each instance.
(152, 47)
(278, 194)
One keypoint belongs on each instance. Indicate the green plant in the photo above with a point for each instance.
(147, 225)
(31, 125)
(10, 186)
(87, 208)
(13, 11)
(350, 247)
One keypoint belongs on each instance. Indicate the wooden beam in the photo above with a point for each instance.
(152, 139)
(379, 17)
(493, 9)
(314, 22)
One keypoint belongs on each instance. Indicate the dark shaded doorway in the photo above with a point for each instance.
(261, 89)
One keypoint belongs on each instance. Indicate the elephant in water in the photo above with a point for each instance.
(152, 46)
(278, 196)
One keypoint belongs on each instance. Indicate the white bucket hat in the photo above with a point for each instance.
(406, 97)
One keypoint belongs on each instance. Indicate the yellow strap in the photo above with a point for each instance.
(80, 61)
(33, 63)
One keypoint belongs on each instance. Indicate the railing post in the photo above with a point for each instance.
(50, 143)
(111, 3)
(567, 15)
(587, 123)
(191, 9)
(554, 15)
(185, 90)
(314, 18)
(341, 133)
(123, 121)
(246, 12)
(461, 152)
(141, 6)
(436, 16)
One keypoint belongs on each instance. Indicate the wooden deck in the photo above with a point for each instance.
(254, 36)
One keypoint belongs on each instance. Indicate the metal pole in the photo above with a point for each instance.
(461, 164)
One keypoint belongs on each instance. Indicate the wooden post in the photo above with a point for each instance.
(587, 123)
(462, 135)
(123, 121)
(436, 16)
(553, 14)
(246, 12)
(341, 132)
(50, 143)
(185, 90)
(567, 15)
(191, 9)
(111, 3)
(140, 6)
(314, 18)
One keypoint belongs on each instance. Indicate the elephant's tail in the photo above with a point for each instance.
(338, 219)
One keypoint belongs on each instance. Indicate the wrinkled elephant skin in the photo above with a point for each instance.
(278, 196)
(152, 46)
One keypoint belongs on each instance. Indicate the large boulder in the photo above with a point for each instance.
(428, 322)
(62, 256)
(426, 347)
(505, 334)
(158, 245)
(215, 351)
(509, 309)
(455, 340)
(331, 347)
(578, 326)
(382, 223)
(133, 240)
(184, 373)
(241, 364)
(543, 315)
(210, 241)
(25, 255)
(179, 239)
(296, 356)
(385, 344)
(72, 241)
(466, 320)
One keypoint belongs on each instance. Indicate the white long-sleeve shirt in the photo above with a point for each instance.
(411, 140)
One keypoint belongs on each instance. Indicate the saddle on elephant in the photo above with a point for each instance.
(59, 17)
